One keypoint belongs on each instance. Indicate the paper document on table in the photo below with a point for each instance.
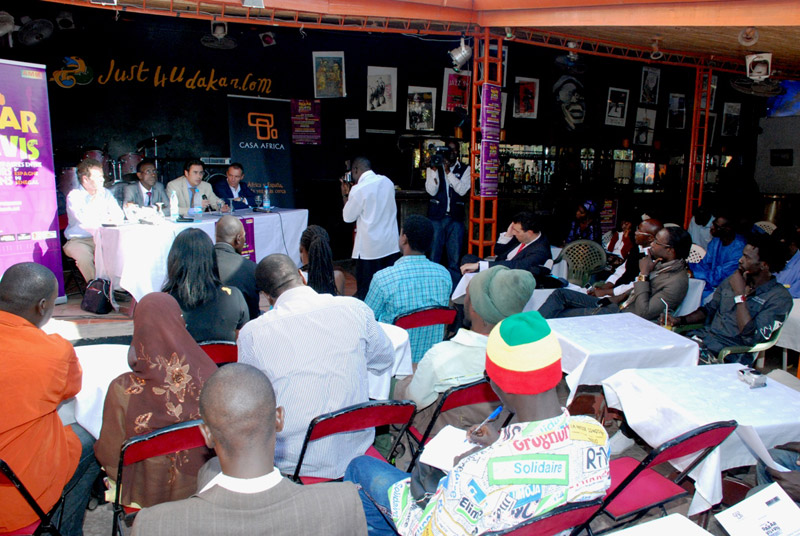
(748, 434)
(444, 447)
(770, 511)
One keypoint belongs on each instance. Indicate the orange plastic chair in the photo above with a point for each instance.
(221, 352)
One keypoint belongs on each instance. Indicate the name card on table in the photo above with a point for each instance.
(770, 512)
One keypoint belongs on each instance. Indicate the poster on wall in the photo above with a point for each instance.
(381, 89)
(526, 97)
(260, 133)
(306, 128)
(568, 94)
(617, 107)
(645, 126)
(713, 92)
(329, 79)
(651, 77)
(456, 90)
(676, 114)
(421, 112)
(28, 205)
(730, 118)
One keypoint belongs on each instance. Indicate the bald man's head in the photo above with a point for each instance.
(276, 274)
(646, 231)
(230, 231)
(29, 290)
(237, 404)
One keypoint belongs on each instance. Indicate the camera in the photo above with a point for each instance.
(439, 155)
(348, 178)
(752, 377)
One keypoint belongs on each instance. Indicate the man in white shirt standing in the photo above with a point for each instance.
(88, 207)
(317, 350)
(369, 201)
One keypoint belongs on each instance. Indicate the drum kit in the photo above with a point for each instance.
(121, 169)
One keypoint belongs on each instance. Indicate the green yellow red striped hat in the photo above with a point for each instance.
(523, 356)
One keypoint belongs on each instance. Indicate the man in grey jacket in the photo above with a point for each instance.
(662, 276)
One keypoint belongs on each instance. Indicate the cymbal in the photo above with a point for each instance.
(151, 142)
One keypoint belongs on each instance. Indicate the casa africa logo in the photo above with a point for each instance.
(74, 73)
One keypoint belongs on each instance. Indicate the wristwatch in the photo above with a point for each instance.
(741, 298)
(641, 278)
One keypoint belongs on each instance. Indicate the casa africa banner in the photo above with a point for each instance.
(261, 137)
(28, 204)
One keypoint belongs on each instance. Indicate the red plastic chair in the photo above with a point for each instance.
(461, 395)
(636, 487)
(556, 520)
(430, 316)
(352, 418)
(221, 352)
(175, 438)
(45, 523)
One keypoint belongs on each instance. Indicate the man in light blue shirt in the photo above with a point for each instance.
(722, 257)
(413, 283)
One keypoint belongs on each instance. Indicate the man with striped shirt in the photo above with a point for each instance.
(317, 350)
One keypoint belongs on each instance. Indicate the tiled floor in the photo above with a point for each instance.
(81, 327)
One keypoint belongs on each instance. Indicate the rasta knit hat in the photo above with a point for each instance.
(499, 292)
(523, 356)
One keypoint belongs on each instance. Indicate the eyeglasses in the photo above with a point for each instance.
(661, 244)
(642, 233)
(149, 172)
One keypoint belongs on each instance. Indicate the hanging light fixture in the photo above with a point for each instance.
(460, 55)
(748, 36)
(656, 54)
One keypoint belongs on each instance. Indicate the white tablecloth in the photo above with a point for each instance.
(596, 347)
(790, 333)
(102, 363)
(660, 404)
(134, 256)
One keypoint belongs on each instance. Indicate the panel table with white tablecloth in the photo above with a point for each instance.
(663, 403)
(596, 347)
(101, 363)
(134, 256)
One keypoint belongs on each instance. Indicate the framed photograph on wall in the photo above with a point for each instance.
(456, 87)
(651, 78)
(329, 75)
(526, 97)
(713, 91)
(645, 126)
(676, 114)
(730, 118)
(421, 109)
(617, 107)
(381, 89)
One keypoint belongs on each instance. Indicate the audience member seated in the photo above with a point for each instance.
(662, 278)
(169, 370)
(722, 255)
(89, 206)
(212, 311)
(192, 192)
(492, 295)
(622, 239)
(317, 351)
(585, 225)
(621, 281)
(522, 246)
(235, 189)
(241, 491)
(147, 191)
(412, 283)
(39, 372)
(789, 277)
(523, 363)
(234, 269)
(317, 262)
(747, 307)
(700, 226)
(787, 455)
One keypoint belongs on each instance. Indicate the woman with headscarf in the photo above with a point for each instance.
(585, 225)
(168, 371)
(317, 262)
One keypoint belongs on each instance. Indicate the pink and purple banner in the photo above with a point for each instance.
(491, 106)
(28, 205)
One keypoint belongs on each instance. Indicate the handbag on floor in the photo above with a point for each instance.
(97, 297)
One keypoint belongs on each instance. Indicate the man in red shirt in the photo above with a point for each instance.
(39, 372)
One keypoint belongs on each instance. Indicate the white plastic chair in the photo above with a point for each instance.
(691, 302)
(766, 226)
(696, 254)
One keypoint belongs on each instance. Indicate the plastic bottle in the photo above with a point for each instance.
(265, 204)
(173, 206)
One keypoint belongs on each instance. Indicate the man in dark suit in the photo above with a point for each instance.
(521, 247)
(233, 188)
(235, 270)
(248, 495)
(147, 191)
